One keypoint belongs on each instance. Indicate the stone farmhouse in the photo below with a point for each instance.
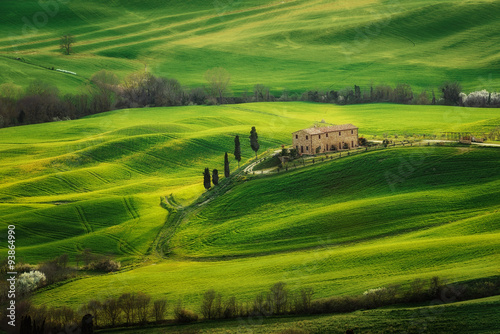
(325, 139)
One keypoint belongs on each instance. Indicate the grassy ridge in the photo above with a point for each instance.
(96, 183)
(347, 201)
(296, 45)
(120, 163)
(329, 270)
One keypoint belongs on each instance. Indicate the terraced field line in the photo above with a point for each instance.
(83, 219)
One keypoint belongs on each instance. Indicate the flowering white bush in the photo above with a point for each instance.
(28, 282)
(495, 99)
(374, 291)
(480, 99)
(462, 98)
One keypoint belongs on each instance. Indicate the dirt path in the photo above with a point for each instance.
(179, 214)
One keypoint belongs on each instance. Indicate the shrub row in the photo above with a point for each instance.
(138, 308)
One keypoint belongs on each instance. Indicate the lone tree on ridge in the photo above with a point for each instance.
(254, 141)
(206, 179)
(226, 166)
(237, 150)
(66, 43)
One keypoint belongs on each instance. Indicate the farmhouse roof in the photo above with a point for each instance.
(325, 129)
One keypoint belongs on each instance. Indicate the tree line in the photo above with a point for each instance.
(138, 308)
(43, 102)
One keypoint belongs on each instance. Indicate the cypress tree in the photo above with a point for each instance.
(226, 166)
(237, 150)
(254, 141)
(206, 178)
(215, 177)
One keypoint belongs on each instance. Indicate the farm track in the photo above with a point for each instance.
(83, 219)
(130, 208)
(70, 184)
(98, 177)
(123, 246)
(180, 214)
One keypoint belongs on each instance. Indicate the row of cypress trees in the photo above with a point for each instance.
(254, 144)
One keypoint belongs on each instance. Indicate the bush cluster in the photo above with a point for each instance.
(29, 281)
(105, 264)
(481, 98)
(182, 315)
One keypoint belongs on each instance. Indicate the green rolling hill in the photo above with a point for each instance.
(294, 45)
(338, 227)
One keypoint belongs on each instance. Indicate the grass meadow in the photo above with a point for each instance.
(340, 227)
(337, 44)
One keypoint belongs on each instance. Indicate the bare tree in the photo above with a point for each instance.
(261, 93)
(94, 307)
(111, 309)
(207, 304)
(159, 309)
(127, 304)
(277, 298)
(218, 80)
(103, 89)
(66, 43)
(142, 306)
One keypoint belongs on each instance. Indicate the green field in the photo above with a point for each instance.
(340, 227)
(294, 45)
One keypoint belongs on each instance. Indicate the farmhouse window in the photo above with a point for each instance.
(340, 133)
(302, 149)
(296, 136)
(352, 144)
(352, 132)
(319, 136)
(307, 137)
(307, 148)
(327, 135)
